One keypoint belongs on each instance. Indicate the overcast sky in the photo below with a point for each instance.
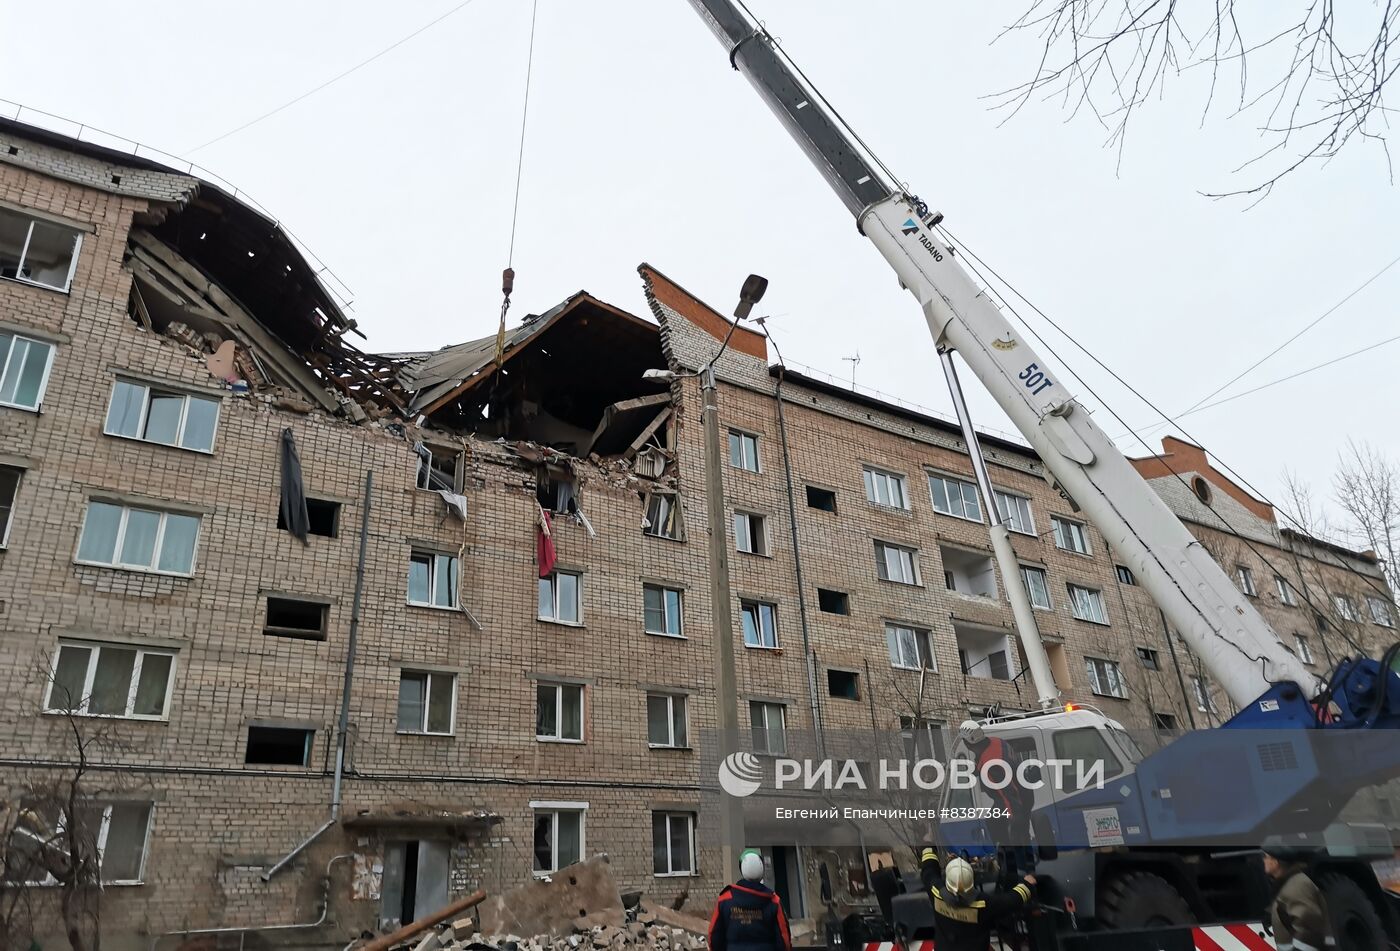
(644, 146)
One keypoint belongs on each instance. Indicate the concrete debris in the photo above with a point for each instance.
(635, 934)
(551, 906)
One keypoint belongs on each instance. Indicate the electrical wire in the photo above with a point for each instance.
(334, 79)
(969, 253)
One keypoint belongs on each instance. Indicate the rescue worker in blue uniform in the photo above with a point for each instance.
(748, 915)
(963, 918)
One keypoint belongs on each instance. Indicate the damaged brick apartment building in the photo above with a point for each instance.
(171, 369)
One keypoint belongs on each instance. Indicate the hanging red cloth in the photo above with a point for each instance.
(544, 545)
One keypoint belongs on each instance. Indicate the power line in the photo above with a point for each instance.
(334, 79)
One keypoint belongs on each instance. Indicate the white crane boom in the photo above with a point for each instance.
(1235, 643)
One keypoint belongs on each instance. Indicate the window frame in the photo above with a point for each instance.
(1245, 577)
(553, 579)
(963, 487)
(1200, 689)
(29, 237)
(95, 648)
(1062, 535)
(855, 682)
(157, 548)
(9, 509)
(8, 365)
(757, 605)
(1125, 575)
(882, 566)
(433, 559)
(922, 639)
(1286, 595)
(766, 706)
(744, 440)
(308, 744)
(150, 391)
(554, 809)
(100, 841)
(1303, 648)
(664, 590)
(559, 686)
(669, 506)
(1111, 670)
(873, 477)
(1346, 608)
(1023, 571)
(1383, 617)
(674, 701)
(668, 815)
(1098, 598)
(1150, 658)
(428, 677)
(1023, 501)
(424, 471)
(757, 538)
(277, 630)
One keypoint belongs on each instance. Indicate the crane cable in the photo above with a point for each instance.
(508, 275)
(968, 252)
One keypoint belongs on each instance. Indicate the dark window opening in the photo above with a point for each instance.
(1150, 658)
(288, 617)
(833, 602)
(556, 493)
(277, 746)
(843, 683)
(823, 499)
(324, 516)
(1125, 576)
(1164, 721)
(1201, 488)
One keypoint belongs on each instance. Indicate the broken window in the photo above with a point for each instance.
(662, 518)
(833, 602)
(323, 517)
(37, 251)
(561, 597)
(556, 492)
(1151, 660)
(760, 622)
(769, 724)
(111, 680)
(9, 490)
(117, 832)
(662, 610)
(138, 411)
(437, 468)
(278, 746)
(1106, 678)
(558, 836)
(843, 683)
(1200, 687)
(432, 580)
(896, 563)
(968, 572)
(673, 843)
(885, 488)
(818, 498)
(751, 533)
(559, 712)
(427, 702)
(1037, 588)
(923, 739)
(743, 450)
(909, 647)
(121, 536)
(1165, 722)
(24, 370)
(983, 653)
(296, 617)
(666, 721)
(1087, 604)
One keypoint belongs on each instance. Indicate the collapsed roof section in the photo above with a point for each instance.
(570, 378)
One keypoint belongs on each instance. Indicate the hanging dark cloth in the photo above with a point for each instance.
(293, 492)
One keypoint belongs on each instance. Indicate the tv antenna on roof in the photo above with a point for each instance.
(854, 362)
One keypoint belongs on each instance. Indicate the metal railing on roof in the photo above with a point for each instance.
(872, 393)
(338, 290)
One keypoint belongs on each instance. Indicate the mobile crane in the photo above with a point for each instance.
(1172, 838)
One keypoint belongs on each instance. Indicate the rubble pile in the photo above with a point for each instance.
(641, 929)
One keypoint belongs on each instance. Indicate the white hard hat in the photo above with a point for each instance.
(957, 875)
(751, 866)
(971, 732)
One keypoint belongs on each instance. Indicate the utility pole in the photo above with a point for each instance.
(721, 625)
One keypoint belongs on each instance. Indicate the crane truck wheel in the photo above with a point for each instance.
(1354, 920)
(1142, 900)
